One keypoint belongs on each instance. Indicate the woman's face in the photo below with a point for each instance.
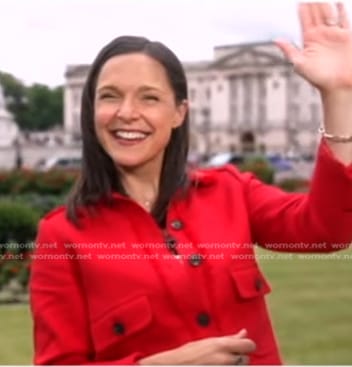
(135, 110)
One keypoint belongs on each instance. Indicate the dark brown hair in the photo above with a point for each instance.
(99, 177)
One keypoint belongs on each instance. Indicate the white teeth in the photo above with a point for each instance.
(130, 135)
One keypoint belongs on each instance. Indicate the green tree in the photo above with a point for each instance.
(44, 107)
(36, 107)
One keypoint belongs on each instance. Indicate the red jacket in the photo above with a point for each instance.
(112, 292)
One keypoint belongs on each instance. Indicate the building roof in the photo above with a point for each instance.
(77, 70)
(222, 56)
(245, 44)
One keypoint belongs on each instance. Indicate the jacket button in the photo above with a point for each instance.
(195, 259)
(258, 284)
(203, 319)
(171, 243)
(176, 224)
(119, 328)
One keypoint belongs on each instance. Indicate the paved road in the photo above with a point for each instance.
(31, 155)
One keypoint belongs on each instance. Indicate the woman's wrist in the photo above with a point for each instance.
(337, 108)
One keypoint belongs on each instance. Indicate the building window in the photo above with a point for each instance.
(295, 88)
(233, 114)
(208, 93)
(294, 112)
(206, 113)
(205, 120)
(276, 84)
(261, 113)
(192, 94)
(220, 88)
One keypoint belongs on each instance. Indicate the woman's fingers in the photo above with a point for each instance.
(233, 344)
(241, 360)
(291, 52)
(322, 13)
(230, 359)
(305, 17)
(327, 14)
(241, 334)
(342, 16)
(313, 9)
(243, 346)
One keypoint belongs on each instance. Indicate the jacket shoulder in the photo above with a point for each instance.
(215, 174)
(59, 213)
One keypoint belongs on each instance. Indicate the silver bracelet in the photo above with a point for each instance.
(335, 138)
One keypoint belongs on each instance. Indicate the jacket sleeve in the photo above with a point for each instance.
(58, 306)
(318, 221)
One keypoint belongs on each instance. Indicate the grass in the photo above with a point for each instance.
(16, 335)
(311, 307)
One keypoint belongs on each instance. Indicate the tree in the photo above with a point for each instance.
(36, 107)
(44, 107)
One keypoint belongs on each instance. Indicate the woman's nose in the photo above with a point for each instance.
(127, 110)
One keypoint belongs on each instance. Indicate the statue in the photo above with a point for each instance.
(9, 130)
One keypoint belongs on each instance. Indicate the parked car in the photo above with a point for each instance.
(58, 163)
(279, 163)
(225, 158)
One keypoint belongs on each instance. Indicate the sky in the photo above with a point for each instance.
(39, 38)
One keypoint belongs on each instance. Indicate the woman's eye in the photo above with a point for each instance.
(107, 96)
(151, 98)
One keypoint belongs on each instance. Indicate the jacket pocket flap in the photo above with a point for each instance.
(250, 282)
(122, 321)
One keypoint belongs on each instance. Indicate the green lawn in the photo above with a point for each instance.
(15, 335)
(311, 305)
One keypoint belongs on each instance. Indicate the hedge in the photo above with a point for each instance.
(23, 181)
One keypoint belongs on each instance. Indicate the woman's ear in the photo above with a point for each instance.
(181, 111)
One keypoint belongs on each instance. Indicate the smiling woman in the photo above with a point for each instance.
(181, 303)
(135, 112)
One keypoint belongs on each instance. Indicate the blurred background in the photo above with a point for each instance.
(247, 108)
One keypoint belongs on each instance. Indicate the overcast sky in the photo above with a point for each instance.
(38, 38)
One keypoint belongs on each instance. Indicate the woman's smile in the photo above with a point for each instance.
(129, 137)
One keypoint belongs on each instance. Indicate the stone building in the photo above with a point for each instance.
(246, 98)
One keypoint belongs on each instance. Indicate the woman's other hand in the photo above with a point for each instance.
(225, 350)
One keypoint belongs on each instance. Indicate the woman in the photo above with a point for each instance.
(150, 264)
